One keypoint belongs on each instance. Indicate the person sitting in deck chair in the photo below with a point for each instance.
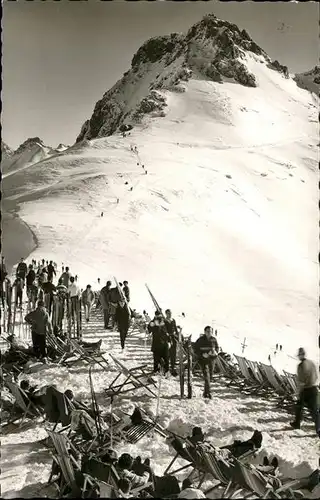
(37, 396)
(125, 468)
(239, 448)
(190, 491)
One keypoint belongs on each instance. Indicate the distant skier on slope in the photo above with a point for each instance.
(308, 391)
(101, 214)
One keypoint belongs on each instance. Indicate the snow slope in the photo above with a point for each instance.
(28, 153)
(309, 80)
(222, 227)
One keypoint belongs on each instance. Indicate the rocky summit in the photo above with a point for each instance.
(213, 50)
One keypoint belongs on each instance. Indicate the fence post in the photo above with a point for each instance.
(189, 368)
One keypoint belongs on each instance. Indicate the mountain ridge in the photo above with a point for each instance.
(212, 49)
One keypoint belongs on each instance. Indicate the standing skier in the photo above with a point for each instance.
(88, 299)
(160, 343)
(173, 334)
(74, 292)
(122, 318)
(104, 299)
(206, 348)
(18, 285)
(65, 278)
(40, 326)
(308, 391)
(51, 271)
(22, 269)
(126, 290)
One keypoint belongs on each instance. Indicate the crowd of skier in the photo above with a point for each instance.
(36, 280)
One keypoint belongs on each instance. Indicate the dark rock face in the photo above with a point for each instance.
(279, 67)
(29, 143)
(211, 49)
(155, 48)
(6, 151)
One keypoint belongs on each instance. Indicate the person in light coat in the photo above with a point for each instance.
(74, 293)
(88, 299)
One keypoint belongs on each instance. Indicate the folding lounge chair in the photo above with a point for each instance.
(275, 382)
(135, 432)
(229, 371)
(61, 349)
(246, 372)
(108, 474)
(83, 355)
(23, 402)
(135, 378)
(256, 371)
(66, 462)
(250, 478)
(292, 383)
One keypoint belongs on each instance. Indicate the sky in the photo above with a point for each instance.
(59, 58)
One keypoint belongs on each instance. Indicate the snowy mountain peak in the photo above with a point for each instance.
(309, 80)
(212, 50)
(6, 151)
(29, 144)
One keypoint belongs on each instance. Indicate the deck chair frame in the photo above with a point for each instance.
(83, 355)
(29, 410)
(133, 378)
(248, 378)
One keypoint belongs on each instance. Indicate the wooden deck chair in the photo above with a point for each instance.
(256, 371)
(108, 474)
(229, 371)
(60, 348)
(309, 483)
(67, 463)
(135, 432)
(250, 478)
(276, 383)
(29, 408)
(135, 378)
(247, 373)
(292, 382)
(222, 471)
(83, 355)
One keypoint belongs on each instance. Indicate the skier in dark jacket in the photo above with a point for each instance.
(126, 291)
(51, 271)
(31, 276)
(173, 334)
(18, 285)
(40, 326)
(22, 269)
(206, 348)
(160, 343)
(122, 318)
(49, 289)
(104, 299)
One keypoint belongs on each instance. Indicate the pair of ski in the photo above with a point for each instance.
(180, 354)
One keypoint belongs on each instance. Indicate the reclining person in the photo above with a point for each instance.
(37, 396)
(127, 468)
(239, 448)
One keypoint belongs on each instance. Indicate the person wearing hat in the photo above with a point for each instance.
(308, 391)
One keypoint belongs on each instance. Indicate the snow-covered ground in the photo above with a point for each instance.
(25, 462)
(221, 228)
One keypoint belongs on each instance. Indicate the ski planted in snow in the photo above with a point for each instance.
(181, 365)
(122, 295)
(189, 367)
